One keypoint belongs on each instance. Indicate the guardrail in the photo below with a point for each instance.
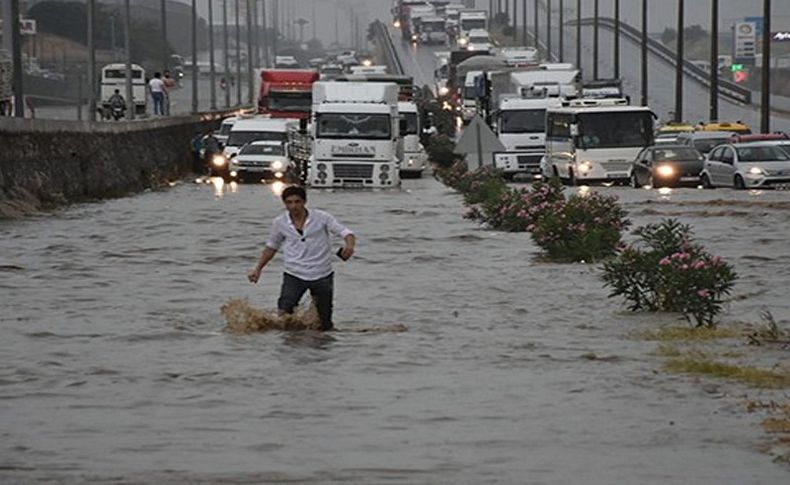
(384, 41)
(727, 89)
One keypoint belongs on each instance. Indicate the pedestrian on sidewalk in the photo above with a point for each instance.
(157, 88)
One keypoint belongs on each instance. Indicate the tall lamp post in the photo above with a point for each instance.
(616, 39)
(714, 60)
(212, 70)
(679, 64)
(578, 34)
(91, 60)
(765, 102)
(548, 30)
(644, 52)
(194, 58)
(238, 55)
(562, 30)
(595, 39)
(127, 36)
(226, 63)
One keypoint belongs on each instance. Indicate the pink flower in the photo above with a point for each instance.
(699, 265)
(531, 227)
(716, 260)
(685, 266)
(703, 293)
(665, 262)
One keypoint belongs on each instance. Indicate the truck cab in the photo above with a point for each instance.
(521, 127)
(287, 93)
(356, 132)
(411, 153)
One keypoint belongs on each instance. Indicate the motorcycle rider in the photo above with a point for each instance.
(117, 105)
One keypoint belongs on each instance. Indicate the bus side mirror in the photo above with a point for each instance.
(574, 129)
(303, 126)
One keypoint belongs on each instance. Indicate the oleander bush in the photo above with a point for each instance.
(516, 209)
(665, 270)
(584, 228)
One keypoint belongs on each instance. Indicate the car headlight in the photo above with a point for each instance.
(470, 48)
(219, 161)
(414, 37)
(665, 171)
(367, 63)
(277, 165)
(756, 171)
(444, 91)
(462, 42)
(396, 24)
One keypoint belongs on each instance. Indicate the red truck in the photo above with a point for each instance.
(287, 93)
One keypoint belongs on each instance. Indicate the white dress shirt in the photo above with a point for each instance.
(307, 256)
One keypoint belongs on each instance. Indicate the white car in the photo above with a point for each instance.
(478, 40)
(224, 130)
(746, 165)
(260, 160)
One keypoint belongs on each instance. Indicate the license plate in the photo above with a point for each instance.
(353, 185)
(689, 179)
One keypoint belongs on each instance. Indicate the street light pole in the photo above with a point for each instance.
(537, 37)
(250, 80)
(562, 30)
(163, 14)
(127, 36)
(524, 23)
(226, 63)
(765, 102)
(91, 60)
(265, 40)
(515, 22)
(212, 71)
(714, 60)
(595, 39)
(644, 52)
(194, 58)
(238, 55)
(679, 65)
(578, 34)
(548, 30)
(11, 10)
(616, 39)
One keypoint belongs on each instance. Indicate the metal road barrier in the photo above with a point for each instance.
(384, 41)
(727, 89)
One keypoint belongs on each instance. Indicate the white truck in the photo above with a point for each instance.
(469, 96)
(555, 83)
(113, 76)
(356, 132)
(471, 19)
(411, 153)
(433, 30)
(521, 127)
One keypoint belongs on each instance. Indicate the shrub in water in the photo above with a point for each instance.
(665, 270)
(516, 209)
(586, 228)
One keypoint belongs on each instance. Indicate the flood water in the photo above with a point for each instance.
(116, 368)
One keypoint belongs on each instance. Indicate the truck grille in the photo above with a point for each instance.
(616, 166)
(353, 170)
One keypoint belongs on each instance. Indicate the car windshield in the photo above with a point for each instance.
(762, 154)
(785, 147)
(239, 138)
(678, 154)
(478, 40)
(263, 150)
(348, 125)
(614, 129)
(411, 123)
(524, 121)
(705, 145)
(290, 101)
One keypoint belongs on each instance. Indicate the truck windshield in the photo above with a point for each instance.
(615, 129)
(290, 101)
(239, 138)
(469, 24)
(347, 125)
(411, 123)
(523, 121)
(432, 26)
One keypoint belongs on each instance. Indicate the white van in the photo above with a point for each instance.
(247, 130)
(113, 76)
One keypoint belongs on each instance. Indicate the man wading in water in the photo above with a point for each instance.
(304, 236)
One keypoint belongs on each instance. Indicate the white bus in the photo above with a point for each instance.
(595, 140)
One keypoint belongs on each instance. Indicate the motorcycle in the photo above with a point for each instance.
(117, 112)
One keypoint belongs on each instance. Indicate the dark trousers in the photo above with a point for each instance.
(321, 290)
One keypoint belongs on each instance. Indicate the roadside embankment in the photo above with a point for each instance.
(46, 163)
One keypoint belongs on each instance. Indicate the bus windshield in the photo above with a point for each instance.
(615, 129)
(348, 125)
(296, 101)
(523, 121)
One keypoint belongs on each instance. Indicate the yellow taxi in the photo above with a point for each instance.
(732, 126)
(675, 127)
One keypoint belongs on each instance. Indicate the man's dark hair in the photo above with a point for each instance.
(294, 190)
(157, 74)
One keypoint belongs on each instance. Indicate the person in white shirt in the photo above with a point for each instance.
(157, 87)
(305, 238)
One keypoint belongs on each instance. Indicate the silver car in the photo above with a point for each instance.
(746, 165)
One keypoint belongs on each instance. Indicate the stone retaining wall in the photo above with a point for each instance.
(45, 163)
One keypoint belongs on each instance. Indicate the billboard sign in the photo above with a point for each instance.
(745, 37)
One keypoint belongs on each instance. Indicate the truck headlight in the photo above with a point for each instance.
(385, 168)
(383, 176)
(444, 91)
(665, 171)
(585, 166)
(219, 161)
(321, 167)
(411, 162)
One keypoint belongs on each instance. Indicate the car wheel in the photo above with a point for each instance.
(706, 181)
(739, 183)
(651, 181)
(634, 181)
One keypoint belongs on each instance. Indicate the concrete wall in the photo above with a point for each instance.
(46, 163)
